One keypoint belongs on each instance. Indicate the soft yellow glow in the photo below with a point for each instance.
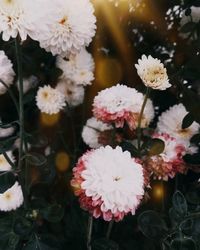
(49, 120)
(62, 161)
(158, 192)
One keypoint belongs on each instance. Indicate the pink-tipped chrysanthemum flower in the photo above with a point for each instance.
(170, 162)
(109, 183)
(120, 104)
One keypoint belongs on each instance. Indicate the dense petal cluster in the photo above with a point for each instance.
(170, 161)
(74, 95)
(170, 122)
(78, 68)
(4, 164)
(91, 132)
(120, 104)
(12, 198)
(153, 73)
(6, 72)
(20, 17)
(50, 100)
(109, 183)
(71, 28)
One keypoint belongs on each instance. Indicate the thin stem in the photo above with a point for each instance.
(21, 105)
(89, 234)
(11, 95)
(140, 118)
(110, 226)
(9, 160)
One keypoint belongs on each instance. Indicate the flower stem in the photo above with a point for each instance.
(110, 226)
(89, 234)
(140, 119)
(9, 160)
(21, 105)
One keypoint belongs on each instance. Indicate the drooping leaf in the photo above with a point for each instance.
(187, 121)
(179, 203)
(152, 225)
(183, 244)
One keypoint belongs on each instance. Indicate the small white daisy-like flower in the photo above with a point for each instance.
(74, 95)
(12, 198)
(50, 100)
(91, 132)
(153, 73)
(20, 17)
(78, 68)
(6, 72)
(72, 27)
(109, 183)
(170, 122)
(4, 165)
(120, 104)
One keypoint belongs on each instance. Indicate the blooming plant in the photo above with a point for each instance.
(68, 181)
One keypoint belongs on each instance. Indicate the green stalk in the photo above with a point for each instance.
(140, 119)
(21, 105)
(89, 234)
(110, 226)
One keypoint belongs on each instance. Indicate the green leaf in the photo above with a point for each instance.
(7, 180)
(53, 213)
(186, 226)
(152, 225)
(104, 244)
(187, 121)
(183, 244)
(157, 146)
(174, 217)
(179, 203)
(188, 27)
(36, 159)
(22, 226)
(195, 139)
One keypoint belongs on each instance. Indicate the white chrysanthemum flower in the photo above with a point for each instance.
(74, 95)
(20, 17)
(91, 131)
(111, 182)
(153, 73)
(28, 83)
(6, 72)
(121, 103)
(71, 29)
(50, 100)
(78, 68)
(170, 122)
(4, 165)
(12, 198)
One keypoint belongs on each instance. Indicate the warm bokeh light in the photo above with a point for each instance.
(158, 191)
(109, 72)
(49, 120)
(62, 161)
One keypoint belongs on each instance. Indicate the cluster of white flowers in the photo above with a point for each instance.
(153, 73)
(6, 72)
(77, 73)
(50, 100)
(91, 132)
(70, 24)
